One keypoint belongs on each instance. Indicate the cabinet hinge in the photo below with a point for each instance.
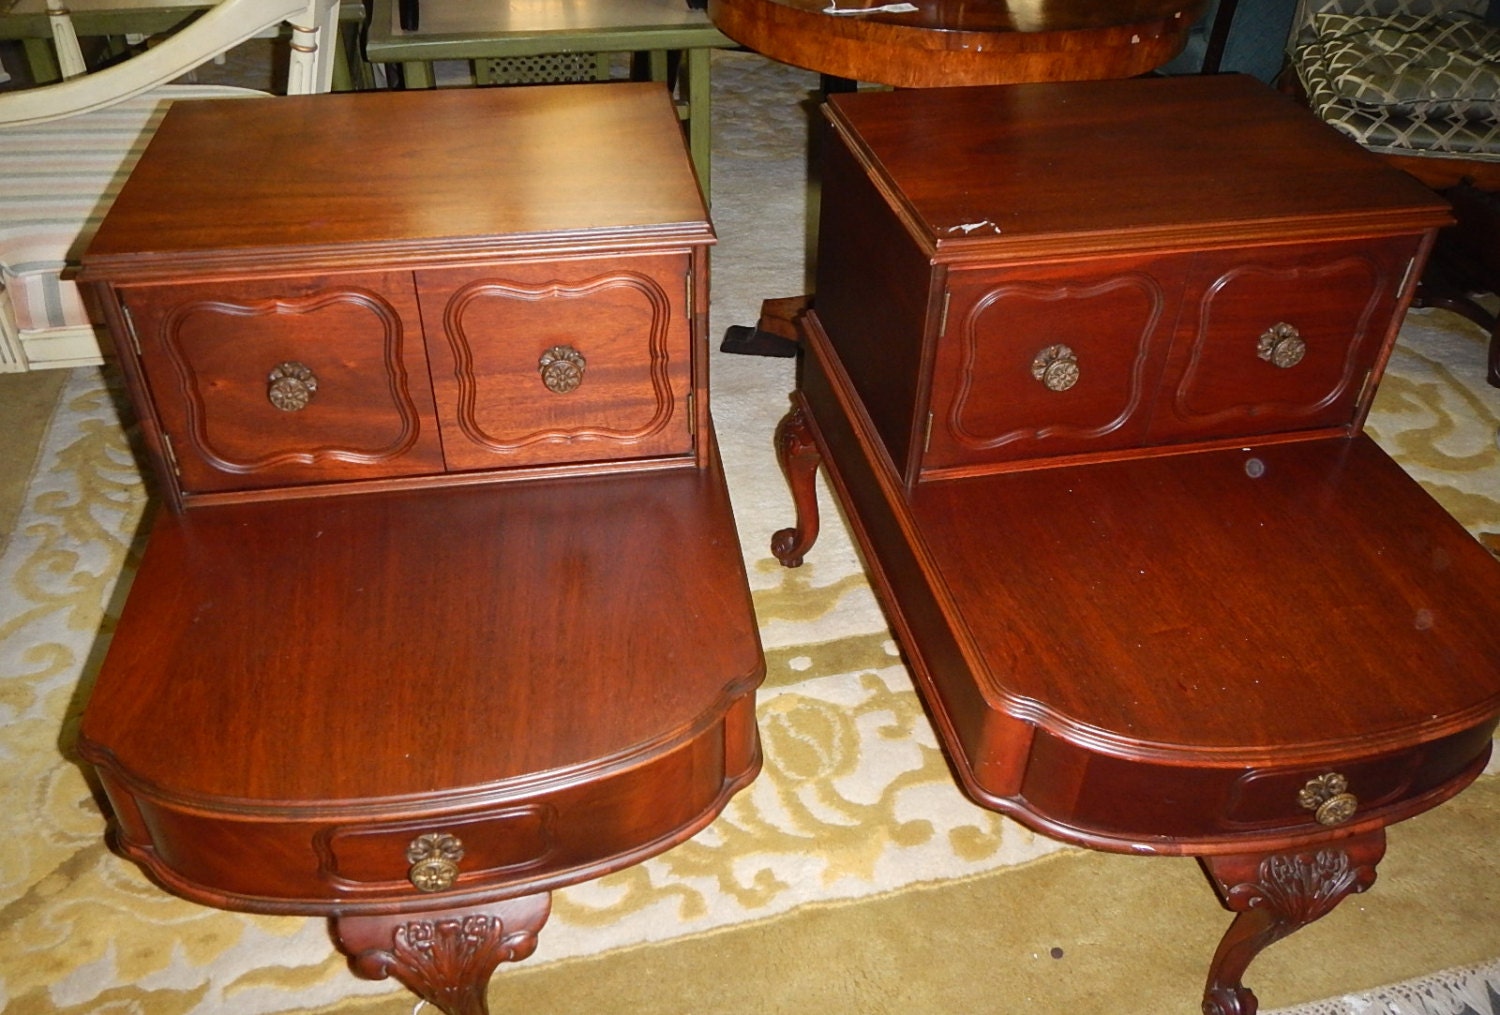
(1406, 276)
(943, 317)
(171, 454)
(688, 294)
(135, 341)
(692, 413)
(927, 434)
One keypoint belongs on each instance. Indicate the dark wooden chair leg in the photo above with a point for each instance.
(1274, 895)
(797, 451)
(445, 957)
(774, 333)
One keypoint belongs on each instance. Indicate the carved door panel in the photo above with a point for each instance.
(568, 360)
(1280, 338)
(285, 381)
(1049, 360)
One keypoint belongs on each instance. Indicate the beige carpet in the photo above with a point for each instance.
(852, 877)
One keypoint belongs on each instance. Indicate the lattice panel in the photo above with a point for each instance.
(550, 68)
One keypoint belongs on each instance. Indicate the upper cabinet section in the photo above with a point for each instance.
(1067, 359)
(325, 379)
(388, 322)
(1017, 276)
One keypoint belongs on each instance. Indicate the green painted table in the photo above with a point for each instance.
(492, 29)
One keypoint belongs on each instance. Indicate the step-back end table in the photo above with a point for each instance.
(447, 609)
(1088, 365)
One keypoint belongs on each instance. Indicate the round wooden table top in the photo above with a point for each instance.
(930, 43)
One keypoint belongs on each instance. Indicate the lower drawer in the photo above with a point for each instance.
(348, 857)
(1102, 795)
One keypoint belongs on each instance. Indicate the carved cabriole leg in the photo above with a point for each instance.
(799, 457)
(1275, 895)
(444, 957)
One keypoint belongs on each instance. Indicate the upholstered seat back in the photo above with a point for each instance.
(1404, 76)
(60, 177)
(66, 149)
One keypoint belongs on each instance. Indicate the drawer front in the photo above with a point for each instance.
(371, 854)
(489, 846)
(1107, 797)
(544, 362)
(1050, 360)
(1280, 338)
(271, 382)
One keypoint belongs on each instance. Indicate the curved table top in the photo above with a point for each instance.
(959, 42)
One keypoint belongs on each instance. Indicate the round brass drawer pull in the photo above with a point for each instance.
(562, 368)
(1281, 345)
(1057, 367)
(1329, 799)
(434, 862)
(292, 386)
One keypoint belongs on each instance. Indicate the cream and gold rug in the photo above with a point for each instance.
(852, 877)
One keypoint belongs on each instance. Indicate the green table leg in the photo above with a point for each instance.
(695, 82)
(42, 60)
(417, 74)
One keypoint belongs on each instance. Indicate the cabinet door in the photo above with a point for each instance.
(287, 381)
(1048, 360)
(545, 362)
(1280, 338)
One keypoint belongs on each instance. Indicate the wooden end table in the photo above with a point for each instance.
(447, 609)
(1087, 366)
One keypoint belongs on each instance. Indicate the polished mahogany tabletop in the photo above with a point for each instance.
(928, 43)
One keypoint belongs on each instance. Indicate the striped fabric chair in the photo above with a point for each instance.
(67, 148)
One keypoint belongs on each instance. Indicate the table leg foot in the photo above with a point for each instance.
(798, 454)
(445, 957)
(1274, 895)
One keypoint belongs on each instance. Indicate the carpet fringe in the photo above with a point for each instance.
(1466, 990)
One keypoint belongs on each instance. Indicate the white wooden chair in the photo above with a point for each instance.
(66, 149)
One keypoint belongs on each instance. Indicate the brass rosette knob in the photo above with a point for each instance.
(434, 861)
(562, 368)
(291, 386)
(1329, 799)
(1056, 367)
(1281, 345)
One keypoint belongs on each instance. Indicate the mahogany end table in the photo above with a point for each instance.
(447, 609)
(1087, 366)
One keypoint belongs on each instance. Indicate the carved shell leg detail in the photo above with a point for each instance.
(446, 957)
(1275, 895)
(797, 451)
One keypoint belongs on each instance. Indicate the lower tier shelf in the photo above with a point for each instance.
(1259, 656)
(433, 702)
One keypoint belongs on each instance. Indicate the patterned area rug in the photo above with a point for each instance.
(852, 876)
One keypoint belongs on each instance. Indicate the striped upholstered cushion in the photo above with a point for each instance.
(58, 180)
